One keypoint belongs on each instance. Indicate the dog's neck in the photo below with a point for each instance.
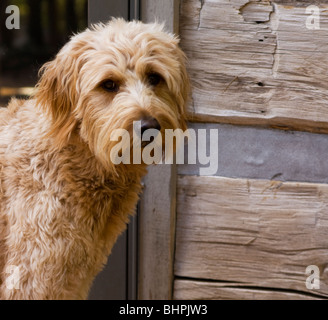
(84, 164)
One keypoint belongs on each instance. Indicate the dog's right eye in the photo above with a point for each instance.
(110, 86)
(154, 79)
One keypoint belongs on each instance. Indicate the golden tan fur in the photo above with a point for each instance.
(63, 203)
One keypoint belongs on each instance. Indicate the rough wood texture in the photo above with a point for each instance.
(157, 234)
(197, 290)
(158, 202)
(257, 233)
(256, 63)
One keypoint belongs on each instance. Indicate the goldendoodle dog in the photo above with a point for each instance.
(63, 201)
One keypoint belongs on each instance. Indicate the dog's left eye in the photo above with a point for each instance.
(110, 86)
(154, 79)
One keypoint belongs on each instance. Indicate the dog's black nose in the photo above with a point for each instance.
(149, 123)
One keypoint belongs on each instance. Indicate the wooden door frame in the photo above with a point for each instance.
(157, 216)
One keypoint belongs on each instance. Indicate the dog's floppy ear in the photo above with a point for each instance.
(57, 92)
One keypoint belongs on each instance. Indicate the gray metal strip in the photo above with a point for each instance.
(259, 153)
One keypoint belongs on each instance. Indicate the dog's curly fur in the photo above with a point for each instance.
(63, 203)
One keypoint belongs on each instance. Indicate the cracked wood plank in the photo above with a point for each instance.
(256, 63)
(258, 233)
(205, 290)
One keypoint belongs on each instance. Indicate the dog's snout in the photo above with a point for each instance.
(149, 123)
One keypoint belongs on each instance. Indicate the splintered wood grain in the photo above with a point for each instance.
(257, 233)
(256, 62)
(204, 290)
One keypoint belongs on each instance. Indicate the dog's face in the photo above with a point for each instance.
(109, 77)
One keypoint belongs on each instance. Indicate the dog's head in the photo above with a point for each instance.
(111, 76)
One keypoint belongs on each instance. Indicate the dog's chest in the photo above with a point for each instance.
(57, 202)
